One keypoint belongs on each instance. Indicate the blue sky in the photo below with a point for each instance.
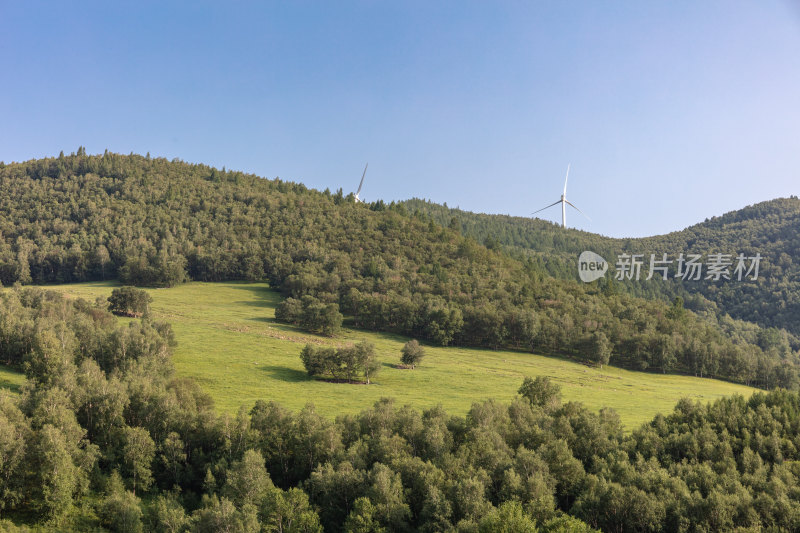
(669, 112)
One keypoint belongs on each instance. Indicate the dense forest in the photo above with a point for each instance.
(149, 221)
(771, 229)
(104, 435)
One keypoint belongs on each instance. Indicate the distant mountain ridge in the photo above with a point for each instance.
(771, 229)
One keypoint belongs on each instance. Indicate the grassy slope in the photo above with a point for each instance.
(230, 343)
(10, 379)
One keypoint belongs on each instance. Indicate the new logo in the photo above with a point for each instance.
(591, 266)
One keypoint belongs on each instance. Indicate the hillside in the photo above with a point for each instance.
(229, 342)
(152, 222)
(771, 229)
(116, 426)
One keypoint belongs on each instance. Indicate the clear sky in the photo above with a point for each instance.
(669, 112)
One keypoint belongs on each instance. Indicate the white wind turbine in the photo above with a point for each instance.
(563, 203)
(361, 184)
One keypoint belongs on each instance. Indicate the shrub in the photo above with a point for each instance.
(129, 301)
(541, 391)
(346, 364)
(412, 353)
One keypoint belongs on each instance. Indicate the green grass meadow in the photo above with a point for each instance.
(229, 341)
(10, 379)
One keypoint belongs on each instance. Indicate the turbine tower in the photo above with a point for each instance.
(563, 203)
(361, 184)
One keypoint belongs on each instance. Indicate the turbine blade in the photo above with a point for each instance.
(551, 205)
(362, 179)
(565, 180)
(578, 210)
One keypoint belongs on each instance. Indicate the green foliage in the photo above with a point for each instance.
(102, 397)
(52, 354)
(342, 364)
(676, 311)
(14, 434)
(156, 270)
(386, 495)
(412, 353)
(129, 301)
(773, 340)
(334, 489)
(138, 453)
(289, 512)
(173, 457)
(541, 392)
(768, 228)
(311, 314)
(55, 474)
(48, 335)
(321, 318)
(318, 361)
(565, 523)
(599, 349)
(248, 480)
(504, 467)
(363, 518)
(508, 518)
(442, 321)
(167, 515)
(120, 509)
(220, 514)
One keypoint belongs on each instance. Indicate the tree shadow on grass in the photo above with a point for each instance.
(284, 373)
(265, 297)
(267, 319)
(284, 327)
(253, 303)
(9, 386)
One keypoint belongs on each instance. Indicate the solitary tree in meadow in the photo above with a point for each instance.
(541, 391)
(129, 301)
(412, 353)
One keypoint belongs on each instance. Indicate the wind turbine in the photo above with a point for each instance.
(563, 203)
(361, 184)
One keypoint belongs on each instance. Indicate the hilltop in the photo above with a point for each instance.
(770, 228)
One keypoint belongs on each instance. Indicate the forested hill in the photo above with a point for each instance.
(770, 228)
(149, 221)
